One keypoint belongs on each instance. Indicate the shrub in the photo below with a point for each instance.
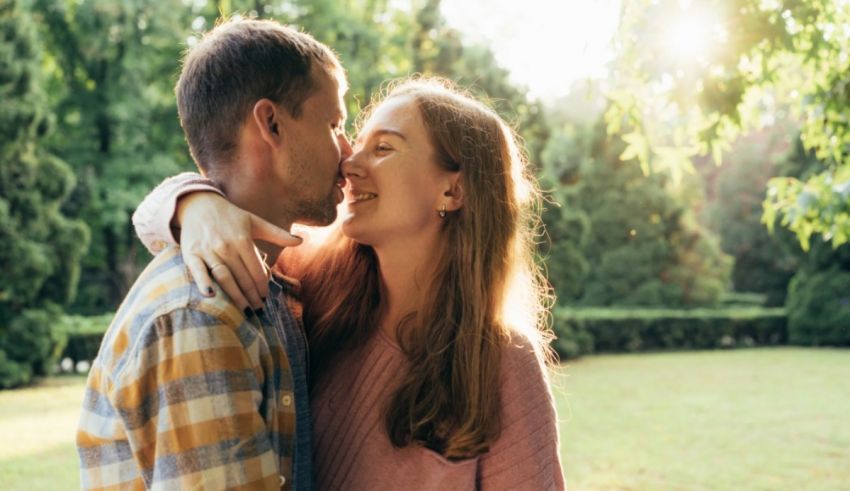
(12, 373)
(30, 345)
(819, 308)
(617, 330)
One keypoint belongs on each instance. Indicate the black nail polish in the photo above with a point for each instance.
(258, 312)
(248, 312)
(210, 291)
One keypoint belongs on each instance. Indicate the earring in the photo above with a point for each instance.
(442, 211)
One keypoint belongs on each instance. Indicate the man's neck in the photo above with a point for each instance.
(247, 197)
(269, 252)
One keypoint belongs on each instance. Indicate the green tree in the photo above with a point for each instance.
(111, 67)
(764, 262)
(763, 55)
(818, 301)
(567, 226)
(644, 246)
(41, 248)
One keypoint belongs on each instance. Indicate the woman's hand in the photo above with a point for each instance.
(216, 238)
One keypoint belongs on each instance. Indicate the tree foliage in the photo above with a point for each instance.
(110, 71)
(764, 262)
(763, 55)
(41, 248)
(626, 238)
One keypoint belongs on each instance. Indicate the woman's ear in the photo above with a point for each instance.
(266, 116)
(454, 193)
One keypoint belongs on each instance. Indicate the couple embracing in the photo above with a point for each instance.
(404, 349)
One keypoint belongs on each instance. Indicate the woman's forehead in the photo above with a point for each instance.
(397, 114)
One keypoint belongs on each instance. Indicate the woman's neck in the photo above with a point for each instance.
(405, 274)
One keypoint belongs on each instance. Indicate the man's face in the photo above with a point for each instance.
(316, 147)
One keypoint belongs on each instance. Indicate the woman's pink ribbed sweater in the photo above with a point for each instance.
(353, 452)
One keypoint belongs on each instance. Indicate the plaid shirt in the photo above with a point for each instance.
(186, 393)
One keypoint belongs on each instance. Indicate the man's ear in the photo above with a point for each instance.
(454, 193)
(267, 118)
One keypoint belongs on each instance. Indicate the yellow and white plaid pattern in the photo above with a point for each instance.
(186, 393)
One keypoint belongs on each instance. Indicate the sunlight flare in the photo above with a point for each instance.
(693, 34)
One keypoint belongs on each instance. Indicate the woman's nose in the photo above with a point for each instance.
(352, 166)
(345, 147)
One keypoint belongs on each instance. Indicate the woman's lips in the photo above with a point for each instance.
(357, 196)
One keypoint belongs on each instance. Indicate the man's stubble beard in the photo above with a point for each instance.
(313, 212)
(318, 213)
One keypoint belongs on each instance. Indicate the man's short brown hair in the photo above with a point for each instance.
(236, 64)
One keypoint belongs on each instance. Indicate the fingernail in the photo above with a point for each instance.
(263, 299)
(210, 291)
(248, 312)
(258, 312)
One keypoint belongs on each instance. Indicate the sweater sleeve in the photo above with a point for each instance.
(152, 219)
(526, 455)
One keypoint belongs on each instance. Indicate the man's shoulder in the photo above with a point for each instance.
(164, 297)
(166, 285)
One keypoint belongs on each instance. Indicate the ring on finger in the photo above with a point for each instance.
(216, 265)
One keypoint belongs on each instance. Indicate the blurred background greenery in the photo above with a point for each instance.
(696, 156)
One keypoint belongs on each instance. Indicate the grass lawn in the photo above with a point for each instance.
(37, 426)
(764, 419)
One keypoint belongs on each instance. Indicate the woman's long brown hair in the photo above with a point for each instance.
(487, 285)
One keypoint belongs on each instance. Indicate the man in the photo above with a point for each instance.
(190, 390)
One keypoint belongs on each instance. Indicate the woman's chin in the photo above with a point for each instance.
(352, 229)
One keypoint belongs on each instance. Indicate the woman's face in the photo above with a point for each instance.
(395, 188)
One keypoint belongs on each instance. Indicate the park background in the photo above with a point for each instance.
(696, 157)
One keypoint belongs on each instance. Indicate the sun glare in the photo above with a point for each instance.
(547, 46)
(692, 35)
(688, 38)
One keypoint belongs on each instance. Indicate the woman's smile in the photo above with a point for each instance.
(356, 196)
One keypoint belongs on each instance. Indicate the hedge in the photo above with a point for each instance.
(84, 335)
(583, 331)
(743, 299)
(580, 331)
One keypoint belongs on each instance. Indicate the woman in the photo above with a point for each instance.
(425, 315)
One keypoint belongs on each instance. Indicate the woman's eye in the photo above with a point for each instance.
(383, 147)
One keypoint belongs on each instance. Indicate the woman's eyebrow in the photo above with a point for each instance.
(379, 132)
(389, 131)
